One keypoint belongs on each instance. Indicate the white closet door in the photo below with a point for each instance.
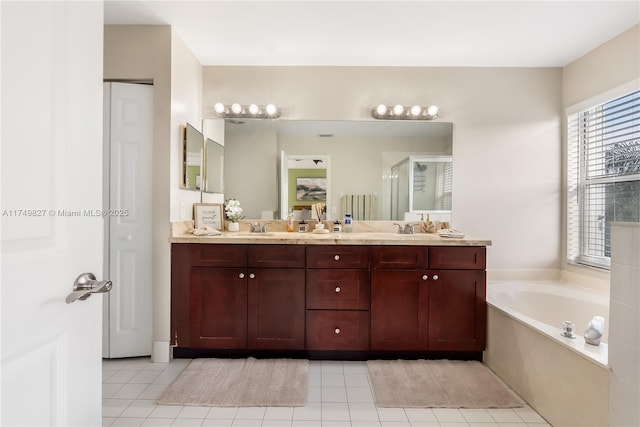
(128, 137)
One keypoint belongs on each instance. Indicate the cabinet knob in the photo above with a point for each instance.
(252, 276)
(435, 277)
(425, 277)
(241, 275)
(337, 257)
(337, 331)
(338, 289)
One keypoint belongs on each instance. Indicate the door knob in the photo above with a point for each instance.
(85, 285)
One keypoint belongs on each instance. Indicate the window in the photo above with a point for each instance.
(603, 177)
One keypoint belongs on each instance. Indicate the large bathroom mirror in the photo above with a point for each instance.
(360, 155)
(192, 158)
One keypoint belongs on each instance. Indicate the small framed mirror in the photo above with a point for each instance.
(192, 158)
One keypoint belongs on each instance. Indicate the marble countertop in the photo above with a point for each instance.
(372, 233)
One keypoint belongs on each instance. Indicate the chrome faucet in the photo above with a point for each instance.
(408, 228)
(257, 228)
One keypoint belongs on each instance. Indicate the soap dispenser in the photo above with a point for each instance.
(291, 226)
(348, 223)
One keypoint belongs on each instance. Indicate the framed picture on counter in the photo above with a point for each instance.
(208, 215)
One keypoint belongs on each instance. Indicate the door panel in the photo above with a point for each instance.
(218, 307)
(457, 310)
(399, 310)
(276, 309)
(51, 188)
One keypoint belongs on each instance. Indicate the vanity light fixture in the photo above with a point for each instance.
(251, 111)
(402, 112)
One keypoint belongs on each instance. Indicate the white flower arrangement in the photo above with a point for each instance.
(232, 210)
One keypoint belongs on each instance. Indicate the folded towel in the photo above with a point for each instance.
(451, 233)
(205, 231)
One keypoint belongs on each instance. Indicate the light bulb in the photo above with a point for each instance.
(219, 107)
(254, 109)
(236, 108)
(432, 111)
(416, 110)
(398, 109)
(271, 109)
(381, 110)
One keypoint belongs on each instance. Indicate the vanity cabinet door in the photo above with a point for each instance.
(218, 308)
(276, 309)
(457, 310)
(399, 310)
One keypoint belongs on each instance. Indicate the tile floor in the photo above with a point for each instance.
(339, 396)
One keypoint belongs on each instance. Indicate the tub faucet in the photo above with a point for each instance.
(257, 228)
(408, 228)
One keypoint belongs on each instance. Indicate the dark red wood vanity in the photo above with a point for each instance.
(328, 300)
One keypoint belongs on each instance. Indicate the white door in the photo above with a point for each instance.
(128, 140)
(52, 228)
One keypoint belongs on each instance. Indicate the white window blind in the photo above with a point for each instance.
(603, 177)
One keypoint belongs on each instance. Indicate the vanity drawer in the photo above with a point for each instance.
(337, 256)
(339, 289)
(276, 256)
(399, 257)
(337, 330)
(458, 257)
(204, 255)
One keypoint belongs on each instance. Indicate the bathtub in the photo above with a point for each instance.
(564, 379)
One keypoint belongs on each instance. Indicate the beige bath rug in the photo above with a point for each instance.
(437, 384)
(240, 382)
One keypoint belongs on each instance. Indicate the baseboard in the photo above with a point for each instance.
(161, 352)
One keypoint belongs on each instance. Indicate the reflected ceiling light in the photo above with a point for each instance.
(402, 112)
(271, 110)
(251, 111)
(236, 108)
(432, 111)
(219, 107)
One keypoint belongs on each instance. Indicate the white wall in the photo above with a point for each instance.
(506, 144)
(186, 107)
(134, 52)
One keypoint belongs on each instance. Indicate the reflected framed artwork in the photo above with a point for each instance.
(208, 215)
(311, 189)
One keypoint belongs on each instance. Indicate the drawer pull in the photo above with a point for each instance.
(337, 331)
(425, 277)
(435, 277)
(338, 289)
(337, 257)
(252, 276)
(241, 275)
